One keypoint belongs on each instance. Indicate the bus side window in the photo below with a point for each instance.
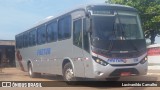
(26, 39)
(21, 41)
(18, 41)
(52, 33)
(33, 37)
(64, 28)
(77, 33)
(17, 44)
(41, 35)
(85, 36)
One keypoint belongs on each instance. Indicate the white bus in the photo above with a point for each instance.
(95, 41)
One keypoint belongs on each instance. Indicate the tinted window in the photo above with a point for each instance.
(17, 44)
(17, 41)
(77, 33)
(64, 28)
(25, 39)
(52, 33)
(20, 41)
(103, 27)
(85, 36)
(41, 35)
(33, 37)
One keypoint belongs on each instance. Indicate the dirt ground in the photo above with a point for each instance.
(14, 74)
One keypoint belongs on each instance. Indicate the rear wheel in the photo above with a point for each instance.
(31, 73)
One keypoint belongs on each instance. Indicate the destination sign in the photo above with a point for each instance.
(103, 12)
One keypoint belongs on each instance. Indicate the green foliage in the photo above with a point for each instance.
(149, 11)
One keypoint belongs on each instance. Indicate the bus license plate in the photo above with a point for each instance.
(125, 73)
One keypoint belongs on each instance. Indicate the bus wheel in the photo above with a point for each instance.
(68, 73)
(31, 73)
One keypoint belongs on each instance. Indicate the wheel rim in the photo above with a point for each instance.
(69, 74)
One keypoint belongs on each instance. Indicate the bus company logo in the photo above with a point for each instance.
(114, 60)
(44, 51)
(6, 84)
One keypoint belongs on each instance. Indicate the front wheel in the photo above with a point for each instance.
(68, 73)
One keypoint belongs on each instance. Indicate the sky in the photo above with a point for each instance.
(17, 16)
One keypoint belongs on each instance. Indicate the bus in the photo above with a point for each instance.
(98, 41)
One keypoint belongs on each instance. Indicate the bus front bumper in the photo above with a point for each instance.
(119, 71)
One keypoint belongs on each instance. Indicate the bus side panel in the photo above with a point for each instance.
(63, 50)
(45, 58)
(88, 64)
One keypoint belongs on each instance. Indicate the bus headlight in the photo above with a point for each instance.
(100, 61)
(144, 60)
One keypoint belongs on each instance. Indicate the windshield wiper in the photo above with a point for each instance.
(122, 28)
(124, 35)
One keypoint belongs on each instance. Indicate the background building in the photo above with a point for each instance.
(7, 53)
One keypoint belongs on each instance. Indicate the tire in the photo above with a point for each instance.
(31, 73)
(68, 74)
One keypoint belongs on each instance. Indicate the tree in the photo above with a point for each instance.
(149, 11)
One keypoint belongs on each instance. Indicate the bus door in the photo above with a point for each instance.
(78, 47)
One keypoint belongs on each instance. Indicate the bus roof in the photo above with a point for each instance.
(82, 7)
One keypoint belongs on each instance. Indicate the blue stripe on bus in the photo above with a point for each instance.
(44, 51)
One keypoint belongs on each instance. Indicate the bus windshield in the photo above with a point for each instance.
(123, 25)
